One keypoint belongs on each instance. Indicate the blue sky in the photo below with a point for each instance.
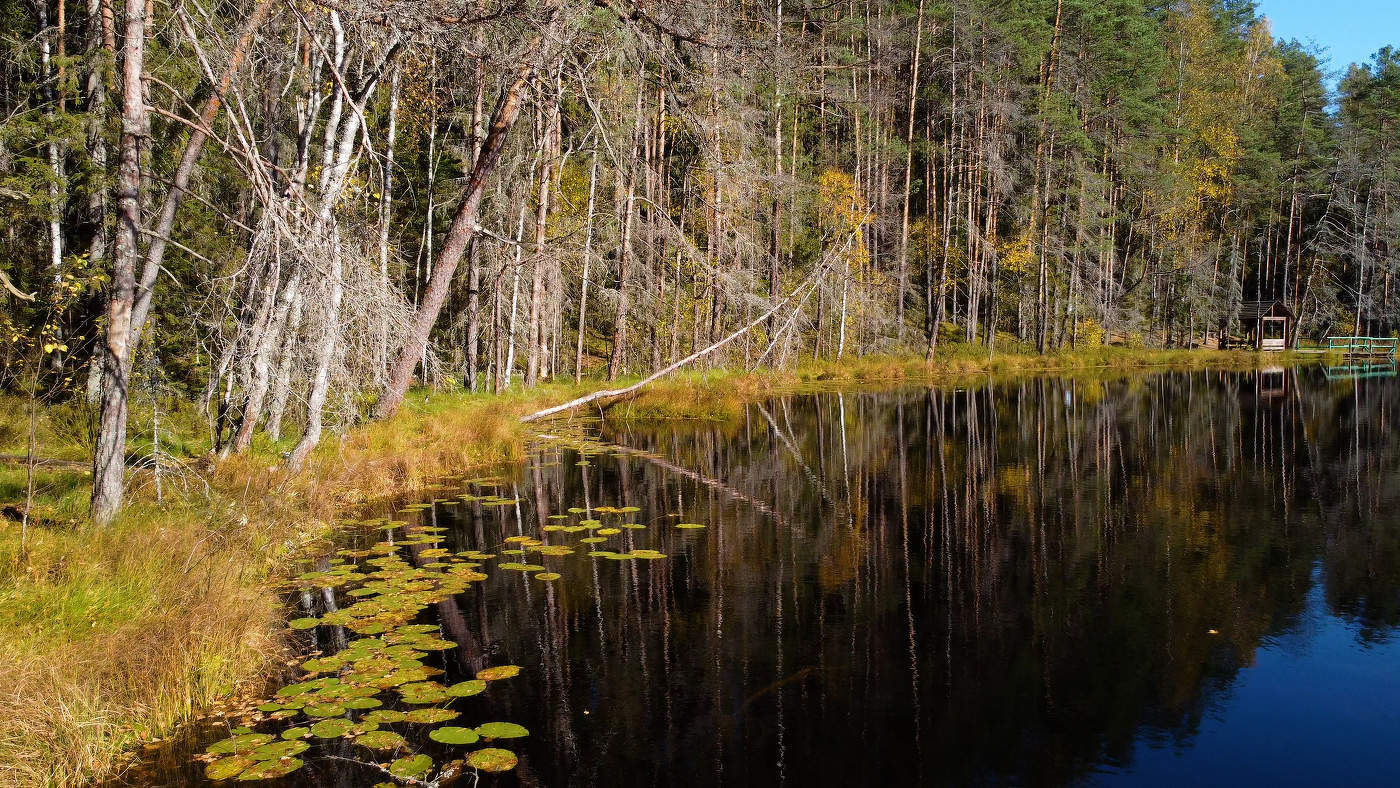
(1351, 30)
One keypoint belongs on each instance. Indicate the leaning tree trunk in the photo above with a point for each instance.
(461, 231)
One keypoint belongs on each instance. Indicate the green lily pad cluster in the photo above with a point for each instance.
(384, 588)
(344, 695)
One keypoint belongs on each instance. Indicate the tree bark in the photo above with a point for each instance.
(109, 457)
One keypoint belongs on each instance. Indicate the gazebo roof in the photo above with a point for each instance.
(1254, 310)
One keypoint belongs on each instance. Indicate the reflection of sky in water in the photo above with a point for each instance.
(1319, 700)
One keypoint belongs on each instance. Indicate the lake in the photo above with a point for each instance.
(1118, 580)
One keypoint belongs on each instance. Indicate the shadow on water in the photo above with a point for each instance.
(1152, 579)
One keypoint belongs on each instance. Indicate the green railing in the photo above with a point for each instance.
(1364, 346)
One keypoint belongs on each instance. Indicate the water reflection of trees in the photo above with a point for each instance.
(1010, 580)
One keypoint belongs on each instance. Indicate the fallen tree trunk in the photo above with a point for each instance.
(812, 281)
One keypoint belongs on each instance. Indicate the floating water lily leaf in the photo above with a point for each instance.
(493, 759)
(652, 554)
(384, 716)
(634, 526)
(690, 525)
(303, 623)
(411, 766)
(381, 740)
(593, 539)
(609, 531)
(501, 730)
(271, 770)
(298, 732)
(522, 567)
(270, 707)
(239, 744)
(363, 703)
(297, 689)
(227, 768)
(499, 672)
(322, 665)
(429, 716)
(453, 735)
(324, 710)
(280, 749)
(626, 509)
(466, 689)
(548, 576)
(331, 729)
(601, 554)
(590, 523)
(512, 552)
(576, 510)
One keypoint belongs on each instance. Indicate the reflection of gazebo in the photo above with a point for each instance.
(1268, 325)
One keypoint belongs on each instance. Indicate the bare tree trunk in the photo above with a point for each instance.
(624, 264)
(316, 400)
(282, 383)
(109, 458)
(587, 258)
(908, 179)
(536, 330)
(180, 181)
(386, 206)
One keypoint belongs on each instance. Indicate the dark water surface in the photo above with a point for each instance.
(1185, 578)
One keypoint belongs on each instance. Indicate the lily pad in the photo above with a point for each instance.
(466, 689)
(303, 623)
(499, 672)
(381, 740)
(324, 710)
(690, 525)
(449, 734)
(228, 768)
(385, 716)
(363, 703)
(609, 531)
(271, 770)
(548, 576)
(501, 730)
(429, 716)
(278, 750)
(298, 732)
(239, 744)
(332, 728)
(493, 759)
(411, 766)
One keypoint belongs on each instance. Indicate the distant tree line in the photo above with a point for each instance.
(291, 211)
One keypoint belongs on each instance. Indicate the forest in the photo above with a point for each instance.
(290, 213)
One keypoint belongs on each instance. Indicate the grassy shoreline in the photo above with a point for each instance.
(115, 636)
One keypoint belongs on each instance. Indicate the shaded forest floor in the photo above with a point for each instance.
(112, 637)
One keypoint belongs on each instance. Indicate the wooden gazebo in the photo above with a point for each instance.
(1268, 325)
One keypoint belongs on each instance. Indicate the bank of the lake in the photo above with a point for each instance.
(114, 637)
